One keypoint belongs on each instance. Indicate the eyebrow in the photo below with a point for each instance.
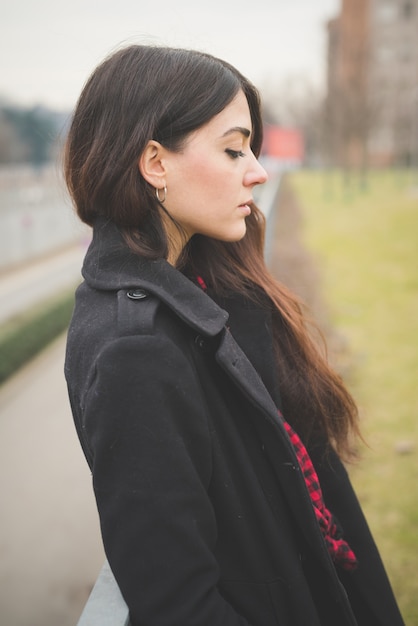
(237, 129)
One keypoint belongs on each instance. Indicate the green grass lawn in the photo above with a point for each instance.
(365, 242)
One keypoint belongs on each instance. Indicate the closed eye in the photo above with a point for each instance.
(234, 154)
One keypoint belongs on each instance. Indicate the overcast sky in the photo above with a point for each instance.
(49, 47)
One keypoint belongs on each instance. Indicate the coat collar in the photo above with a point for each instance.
(109, 265)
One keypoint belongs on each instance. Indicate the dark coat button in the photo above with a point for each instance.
(136, 294)
(200, 342)
(205, 344)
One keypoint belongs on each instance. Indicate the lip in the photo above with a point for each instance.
(245, 208)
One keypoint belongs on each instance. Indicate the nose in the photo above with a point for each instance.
(256, 174)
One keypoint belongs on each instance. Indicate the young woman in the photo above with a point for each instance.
(193, 382)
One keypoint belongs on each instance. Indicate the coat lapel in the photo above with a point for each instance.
(274, 440)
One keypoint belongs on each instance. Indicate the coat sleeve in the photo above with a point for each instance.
(147, 428)
(368, 587)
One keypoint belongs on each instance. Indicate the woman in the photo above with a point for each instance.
(192, 379)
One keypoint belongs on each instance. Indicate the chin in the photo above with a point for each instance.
(241, 235)
(236, 235)
(228, 236)
(231, 238)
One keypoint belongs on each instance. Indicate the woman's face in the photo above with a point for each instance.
(210, 181)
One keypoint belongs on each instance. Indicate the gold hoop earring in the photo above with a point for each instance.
(157, 193)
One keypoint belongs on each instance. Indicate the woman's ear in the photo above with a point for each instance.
(151, 164)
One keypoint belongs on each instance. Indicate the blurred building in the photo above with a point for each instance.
(372, 96)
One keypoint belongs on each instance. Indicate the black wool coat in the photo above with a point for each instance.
(204, 512)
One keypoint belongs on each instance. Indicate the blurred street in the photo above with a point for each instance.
(50, 546)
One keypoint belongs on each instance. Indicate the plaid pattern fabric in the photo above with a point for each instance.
(338, 548)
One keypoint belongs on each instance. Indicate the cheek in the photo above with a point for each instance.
(212, 183)
(203, 183)
(192, 181)
(205, 172)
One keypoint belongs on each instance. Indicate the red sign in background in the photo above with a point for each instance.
(283, 143)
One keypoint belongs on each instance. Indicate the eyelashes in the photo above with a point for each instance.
(234, 154)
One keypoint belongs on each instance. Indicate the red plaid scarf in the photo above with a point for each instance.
(338, 548)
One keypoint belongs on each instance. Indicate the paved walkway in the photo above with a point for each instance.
(50, 547)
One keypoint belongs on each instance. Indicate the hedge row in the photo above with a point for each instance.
(27, 334)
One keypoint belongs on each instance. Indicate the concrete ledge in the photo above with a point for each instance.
(105, 606)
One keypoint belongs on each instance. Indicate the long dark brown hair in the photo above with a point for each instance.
(146, 92)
